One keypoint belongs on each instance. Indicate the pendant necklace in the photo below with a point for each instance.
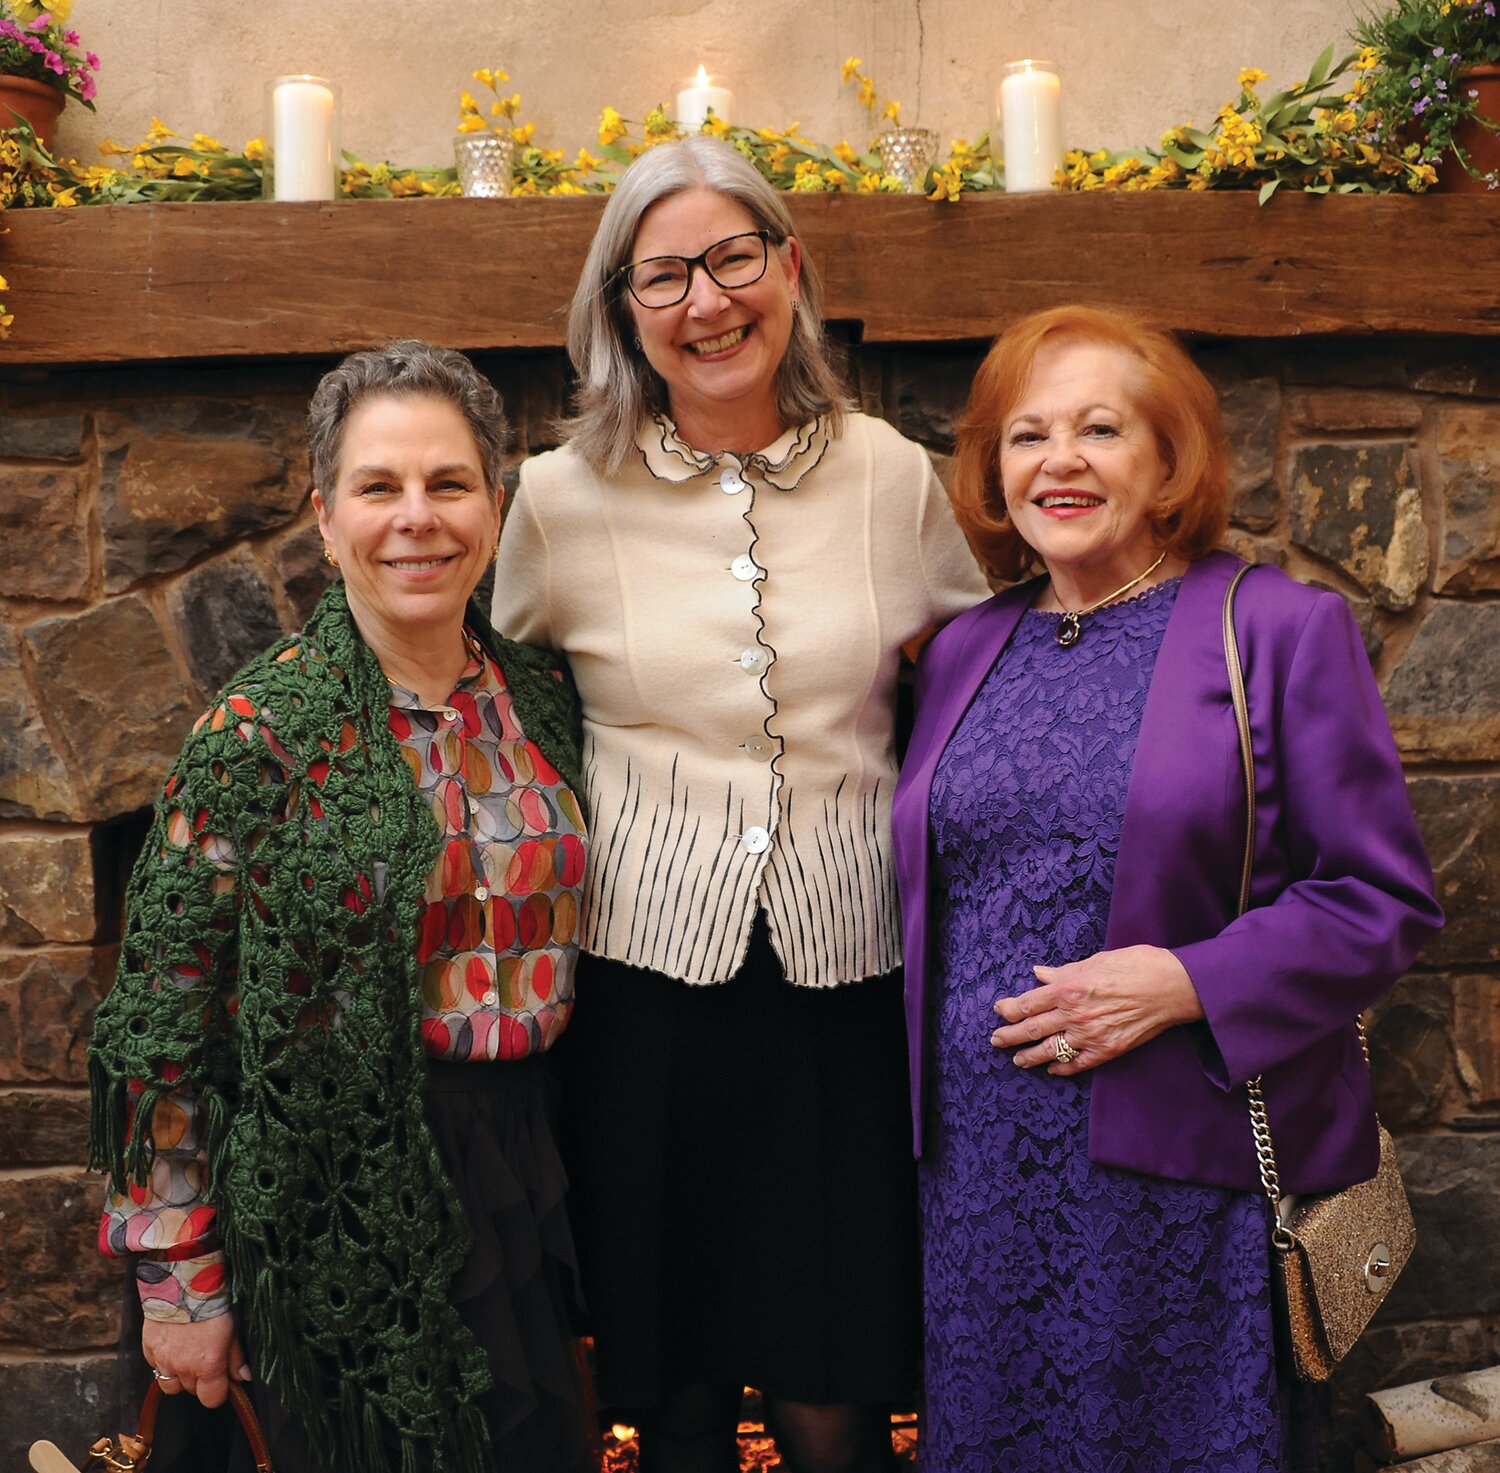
(1069, 626)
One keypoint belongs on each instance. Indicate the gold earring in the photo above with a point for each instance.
(328, 556)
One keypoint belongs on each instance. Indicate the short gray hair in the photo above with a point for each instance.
(617, 387)
(409, 367)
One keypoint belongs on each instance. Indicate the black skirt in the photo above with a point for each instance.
(495, 1127)
(743, 1189)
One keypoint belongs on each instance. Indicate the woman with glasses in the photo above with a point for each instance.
(731, 560)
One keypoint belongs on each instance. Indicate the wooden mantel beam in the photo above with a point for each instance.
(153, 282)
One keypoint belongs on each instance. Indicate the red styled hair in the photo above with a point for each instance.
(1175, 398)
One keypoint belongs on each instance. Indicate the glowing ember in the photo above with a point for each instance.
(757, 1450)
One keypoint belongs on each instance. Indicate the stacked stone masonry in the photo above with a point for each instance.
(157, 532)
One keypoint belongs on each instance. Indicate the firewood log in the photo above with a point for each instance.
(1424, 1417)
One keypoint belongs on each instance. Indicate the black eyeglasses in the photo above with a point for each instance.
(663, 281)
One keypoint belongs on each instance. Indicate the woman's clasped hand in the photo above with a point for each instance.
(200, 1359)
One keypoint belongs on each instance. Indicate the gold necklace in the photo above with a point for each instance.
(472, 648)
(1068, 628)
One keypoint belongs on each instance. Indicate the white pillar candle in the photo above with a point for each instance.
(1031, 125)
(303, 149)
(695, 99)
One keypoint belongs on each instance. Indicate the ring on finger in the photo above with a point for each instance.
(1064, 1050)
(161, 1375)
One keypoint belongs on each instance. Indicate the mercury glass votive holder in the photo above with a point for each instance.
(908, 153)
(484, 164)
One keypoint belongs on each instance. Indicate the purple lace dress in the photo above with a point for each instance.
(1079, 1319)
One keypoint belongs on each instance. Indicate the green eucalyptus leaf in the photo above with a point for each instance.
(1319, 73)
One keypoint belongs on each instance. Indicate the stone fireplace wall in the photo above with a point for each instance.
(157, 532)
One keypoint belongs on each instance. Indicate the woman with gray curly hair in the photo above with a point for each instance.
(732, 559)
(323, 1083)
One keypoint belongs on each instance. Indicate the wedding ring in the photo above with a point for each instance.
(1064, 1050)
(161, 1375)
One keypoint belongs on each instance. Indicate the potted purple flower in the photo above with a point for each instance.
(1435, 85)
(41, 66)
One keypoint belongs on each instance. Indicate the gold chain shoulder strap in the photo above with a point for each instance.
(1265, 1153)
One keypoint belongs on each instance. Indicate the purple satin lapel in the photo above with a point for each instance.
(957, 663)
(1183, 730)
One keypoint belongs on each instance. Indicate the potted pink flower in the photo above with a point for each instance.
(42, 64)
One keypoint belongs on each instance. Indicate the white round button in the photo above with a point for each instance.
(760, 748)
(491, 998)
(731, 482)
(481, 892)
(756, 840)
(744, 568)
(755, 661)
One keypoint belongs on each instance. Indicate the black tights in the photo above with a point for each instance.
(693, 1430)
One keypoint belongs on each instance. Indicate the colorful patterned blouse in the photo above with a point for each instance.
(497, 941)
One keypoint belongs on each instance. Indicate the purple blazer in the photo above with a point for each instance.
(1341, 900)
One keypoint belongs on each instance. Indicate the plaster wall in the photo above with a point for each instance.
(1130, 69)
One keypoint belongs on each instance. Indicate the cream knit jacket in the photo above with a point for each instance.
(734, 626)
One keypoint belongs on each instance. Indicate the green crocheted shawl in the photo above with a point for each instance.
(302, 1037)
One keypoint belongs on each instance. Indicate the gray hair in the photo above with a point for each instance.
(407, 368)
(617, 387)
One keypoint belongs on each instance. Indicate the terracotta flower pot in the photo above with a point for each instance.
(36, 102)
(1481, 145)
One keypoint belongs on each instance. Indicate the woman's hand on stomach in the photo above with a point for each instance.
(1104, 1006)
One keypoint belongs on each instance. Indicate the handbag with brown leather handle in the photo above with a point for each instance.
(129, 1452)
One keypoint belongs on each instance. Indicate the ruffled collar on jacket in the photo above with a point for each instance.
(782, 464)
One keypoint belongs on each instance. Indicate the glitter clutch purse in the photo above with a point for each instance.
(1344, 1253)
(1334, 1257)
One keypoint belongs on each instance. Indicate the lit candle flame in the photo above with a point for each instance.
(702, 76)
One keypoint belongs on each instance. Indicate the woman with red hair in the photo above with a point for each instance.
(1084, 1003)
